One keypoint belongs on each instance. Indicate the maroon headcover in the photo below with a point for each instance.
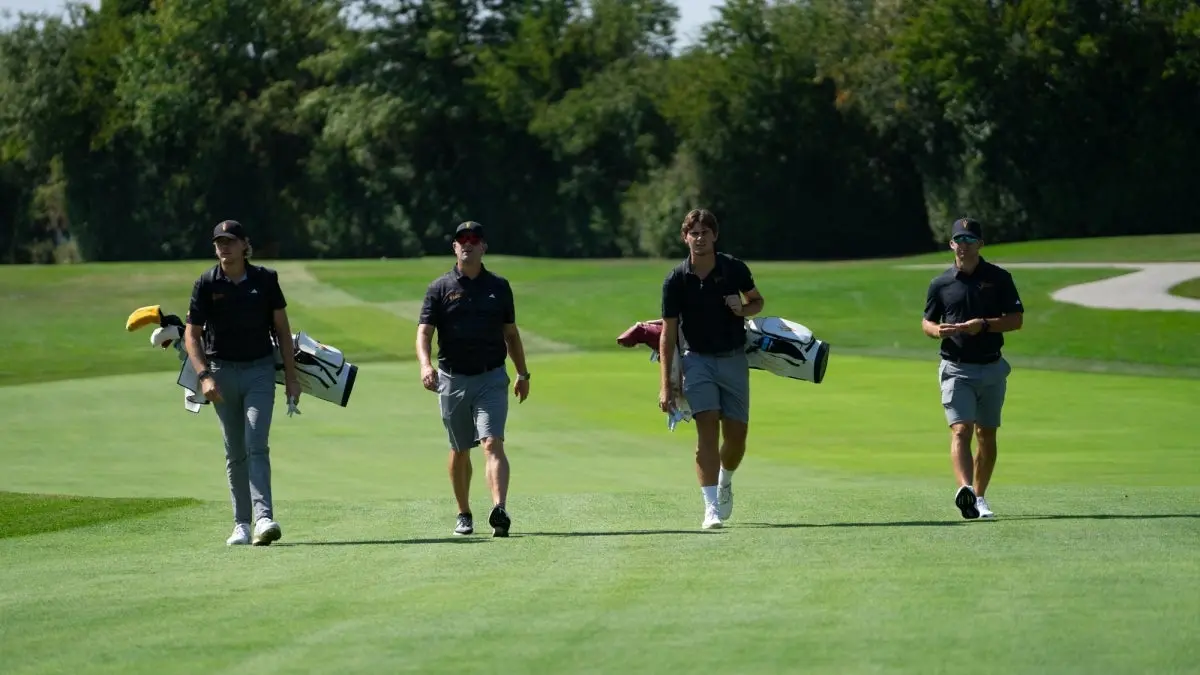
(642, 333)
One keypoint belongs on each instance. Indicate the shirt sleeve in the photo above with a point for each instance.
(745, 278)
(510, 308)
(670, 298)
(197, 314)
(431, 307)
(934, 310)
(277, 299)
(1010, 299)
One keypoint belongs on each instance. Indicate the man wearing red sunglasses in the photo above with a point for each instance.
(968, 307)
(472, 310)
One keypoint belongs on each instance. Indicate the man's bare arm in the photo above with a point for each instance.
(191, 341)
(424, 344)
(755, 303)
(930, 328)
(516, 350)
(1001, 324)
(283, 333)
(1006, 323)
(666, 349)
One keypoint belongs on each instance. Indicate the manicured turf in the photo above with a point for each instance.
(845, 553)
(1152, 248)
(68, 322)
(1187, 289)
(24, 514)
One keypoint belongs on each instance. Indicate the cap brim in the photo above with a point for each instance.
(224, 235)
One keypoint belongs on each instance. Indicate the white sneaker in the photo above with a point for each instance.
(240, 536)
(266, 531)
(725, 501)
(982, 506)
(712, 521)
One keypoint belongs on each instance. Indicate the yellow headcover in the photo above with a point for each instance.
(144, 316)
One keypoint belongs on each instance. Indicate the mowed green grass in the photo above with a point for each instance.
(1187, 289)
(69, 322)
(845, 554)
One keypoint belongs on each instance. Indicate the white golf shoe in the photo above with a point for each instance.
(266, 531)
(712, 520)
(725, 501)
(985, 511)
(240, 536)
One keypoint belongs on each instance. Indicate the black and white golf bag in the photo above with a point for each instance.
(322, 371)
(786, 348)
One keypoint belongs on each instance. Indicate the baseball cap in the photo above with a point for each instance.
(229, 229)
(469, 226)
(967, 226)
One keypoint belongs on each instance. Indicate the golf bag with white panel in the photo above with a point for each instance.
(322, 371)
(773, 344)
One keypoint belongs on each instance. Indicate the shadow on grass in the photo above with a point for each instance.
(619, 533)
(899, 523)
(954, 523)
(1103, 516)
(384, 542)
(484, 537)
(632, 533)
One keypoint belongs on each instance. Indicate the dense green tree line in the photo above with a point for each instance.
(813, 128)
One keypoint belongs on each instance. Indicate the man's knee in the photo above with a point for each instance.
(985, 434)
(734, 431)
(708, 425)
(961, 431)
(493, 445)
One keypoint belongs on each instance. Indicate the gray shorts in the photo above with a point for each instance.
(974, 392)
(473, 407)
(718, 382)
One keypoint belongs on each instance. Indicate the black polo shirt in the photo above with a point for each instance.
(469, 316)
(957, 297)
(237, 317)
(705, 321)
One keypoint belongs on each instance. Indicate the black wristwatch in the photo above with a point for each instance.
(203, 374)
(986, 325)
(524, 378)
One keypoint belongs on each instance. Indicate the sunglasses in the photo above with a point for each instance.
(965, 239)
(468, 239)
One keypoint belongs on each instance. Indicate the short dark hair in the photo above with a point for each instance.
(699, 217)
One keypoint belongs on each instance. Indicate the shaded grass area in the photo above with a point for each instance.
(23, 514)
(1187, 289)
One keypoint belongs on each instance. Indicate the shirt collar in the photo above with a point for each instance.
(687, 264)
(221, 273)
(458, 273)
(979, 269)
